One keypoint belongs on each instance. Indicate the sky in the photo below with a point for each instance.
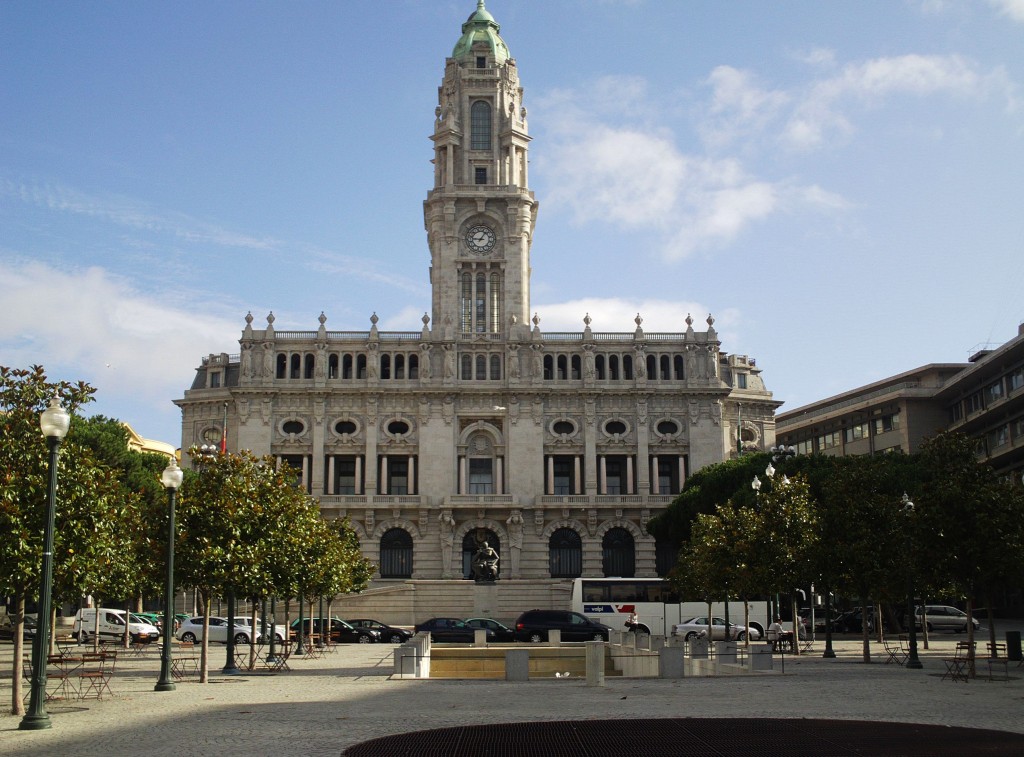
(838, 184)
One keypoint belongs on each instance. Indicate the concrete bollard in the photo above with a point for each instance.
(406, 660)
(725, 651)
(517, 665)
(760, 657)
(595, 663)
(554, 638)
(699, 647)
(671, 662)
(480, 637)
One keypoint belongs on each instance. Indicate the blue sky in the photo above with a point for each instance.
(840, 184)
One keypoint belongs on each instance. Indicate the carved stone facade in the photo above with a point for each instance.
(554, 447)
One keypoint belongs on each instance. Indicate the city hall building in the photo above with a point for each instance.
(554, 448)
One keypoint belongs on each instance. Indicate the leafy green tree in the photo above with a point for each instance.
(970, 524)
(24, 474)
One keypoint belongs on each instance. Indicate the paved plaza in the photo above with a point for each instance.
(323, 706)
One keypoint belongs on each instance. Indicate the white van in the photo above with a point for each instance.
(111, 626)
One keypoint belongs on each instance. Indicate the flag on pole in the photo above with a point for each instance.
(224, 432)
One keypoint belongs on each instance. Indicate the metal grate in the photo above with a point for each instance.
(700, 737)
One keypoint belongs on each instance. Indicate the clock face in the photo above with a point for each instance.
(211, 435)
(480, 239)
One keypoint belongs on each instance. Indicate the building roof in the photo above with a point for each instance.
(481, 27)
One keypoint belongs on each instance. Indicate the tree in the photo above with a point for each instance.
(24, 473)
(970, 524)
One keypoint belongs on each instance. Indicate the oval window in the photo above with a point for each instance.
(564, 427)
(668, 428)
(344, 427)
(293, 427)
(398, 428)
(615, 427)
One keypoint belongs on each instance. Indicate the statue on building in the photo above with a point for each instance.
(447, 535)
(515, 540)
(485, 564)
(449, 362)
(246, 361)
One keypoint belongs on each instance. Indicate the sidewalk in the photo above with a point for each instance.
(326, 705)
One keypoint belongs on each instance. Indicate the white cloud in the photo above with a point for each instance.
(821, 113)
(1014, 9)
(738, 106)
(96, 327)
(616, 315)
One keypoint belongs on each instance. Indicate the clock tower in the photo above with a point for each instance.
(480, 214)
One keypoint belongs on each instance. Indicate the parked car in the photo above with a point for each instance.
(387, 633)
(502, 632)
(340, 631)
(698, 626)
(153, 618)
(110, 626)
(944, 618)
(280, 630)
(851, 621)
(28, 629)
(450, 629)
(533, 626)
(192, 630)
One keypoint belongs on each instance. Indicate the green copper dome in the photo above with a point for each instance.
(481, 27)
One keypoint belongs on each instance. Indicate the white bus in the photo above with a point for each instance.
(657, 606)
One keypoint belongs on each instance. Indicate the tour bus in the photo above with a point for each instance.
(657, 606)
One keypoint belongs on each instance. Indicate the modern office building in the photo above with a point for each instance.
(983, 398)
(555, 448)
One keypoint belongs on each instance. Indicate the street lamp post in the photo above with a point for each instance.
(913, 661)
(171, 478)
(54, 423)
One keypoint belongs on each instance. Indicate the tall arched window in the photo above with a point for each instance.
(480, 126)
(472, 542)
(619, 553)
(495, 368)
(467, 302)
(481, 303)
(565, 554)
(396, 554)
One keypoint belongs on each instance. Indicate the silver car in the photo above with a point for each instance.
(693, 627)
(944, 618)
(192, 630)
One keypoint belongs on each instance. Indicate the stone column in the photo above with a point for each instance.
(603, 477)
(411, 488)
(551, 475)
(654, 476)
(499, 475)
(382, 485)
(629, 474)
(359, 474)
(577, 480)
(330, 476)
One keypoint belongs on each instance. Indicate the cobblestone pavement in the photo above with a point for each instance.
(325, 705)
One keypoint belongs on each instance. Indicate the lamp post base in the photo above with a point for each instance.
(164, 686)
(35, 723)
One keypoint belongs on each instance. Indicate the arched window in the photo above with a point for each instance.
(619, 553)
(549, 367)
(495, 368)
(385, 366)
(481, 367)
(481, 303)
(495, 323)
(577, 371)
(361, 366)
(467, 367)
(480, 126)
(652, 367)
(678, 367)
(309, 364)
(565, 554)
(599, 367)
(613, 367)
(472, 542)
(282, 366)
(396, 554)
(665, 373)
(414, 366)
(399, 366)
(346, 366)
(296, 367)
(562, 367)
(332, 367)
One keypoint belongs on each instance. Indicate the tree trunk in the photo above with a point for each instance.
(18, 668)
(972, 672)
(252, 637)
(204, 645)
(865, 633)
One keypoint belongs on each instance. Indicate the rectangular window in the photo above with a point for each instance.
(828, 441)
(215, 380)
(345, 471)
(615, 476)
(806, 447)
(398, 475)
(1016, 379)
(973, 403)
(480, 175)
(887, 423)
(994, 392)
(481, 61)
(860, 431)
(481, 479)
(741, 380)
(563, 469)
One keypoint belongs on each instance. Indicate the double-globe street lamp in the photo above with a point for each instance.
(171, 479)
(53, 422)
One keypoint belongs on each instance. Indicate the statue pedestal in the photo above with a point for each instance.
(485, 599)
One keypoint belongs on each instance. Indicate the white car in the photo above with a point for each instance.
(945, 618)
(280, 630)
(192, 630)
(695, 627)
